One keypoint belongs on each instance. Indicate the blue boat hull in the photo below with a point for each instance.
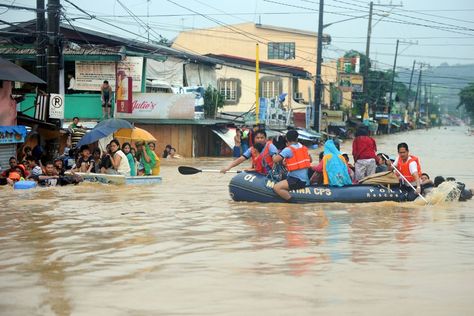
(252, 187)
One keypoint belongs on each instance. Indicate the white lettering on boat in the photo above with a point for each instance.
(249, 177)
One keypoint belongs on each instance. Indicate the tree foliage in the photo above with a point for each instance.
(213, 100)
(466, 97)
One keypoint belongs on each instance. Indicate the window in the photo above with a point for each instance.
(230, 89)
(283, 50)
(270, 87)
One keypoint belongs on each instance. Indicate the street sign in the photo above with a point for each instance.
(56, 106)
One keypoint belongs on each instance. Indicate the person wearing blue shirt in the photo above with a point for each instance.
(297, 161)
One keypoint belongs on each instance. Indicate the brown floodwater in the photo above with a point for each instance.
(184, 247)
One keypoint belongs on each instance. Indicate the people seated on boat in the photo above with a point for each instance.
(317, 176)
(364, 150)
(279, 142)
(96, 155)
(173, 154)
(146, 158)
(156, 169)
(334, 168)
(119, 160)
(105, 161)
(381, 163)
(298, 160)
(85, 163)
(350, 168)
(59, 166)
(166, 151)
(409, 167)
(126, 148)
(262, 162)
(34, 168)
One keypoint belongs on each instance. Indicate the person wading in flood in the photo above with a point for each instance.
(262, 163)
(298, 161)
(409, 166)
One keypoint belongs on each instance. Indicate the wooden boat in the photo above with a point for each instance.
(118, 179)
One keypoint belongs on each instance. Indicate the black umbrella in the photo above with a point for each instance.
(11, 72)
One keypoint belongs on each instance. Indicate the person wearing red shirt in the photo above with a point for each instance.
(364, 151)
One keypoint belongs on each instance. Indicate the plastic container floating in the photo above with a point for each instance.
(24, 185)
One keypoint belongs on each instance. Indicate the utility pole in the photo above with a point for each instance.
(54, 49)
(390, 103)
(367, 60)
(40, 40)
(415, 109)
(318, 82)
(409, 85)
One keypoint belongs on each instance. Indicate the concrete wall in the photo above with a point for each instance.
(221, 40)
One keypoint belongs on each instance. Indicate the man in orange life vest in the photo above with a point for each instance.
(298, 161)
(261, 163)
(409, 166)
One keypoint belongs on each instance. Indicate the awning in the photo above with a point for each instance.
(17, 129)
(226, 134)
(11, 72)
(422, 122)
(395, 124)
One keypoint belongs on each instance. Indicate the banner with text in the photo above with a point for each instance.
(91, 74)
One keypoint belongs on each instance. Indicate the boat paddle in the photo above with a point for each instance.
(190, 170)
(406, 181)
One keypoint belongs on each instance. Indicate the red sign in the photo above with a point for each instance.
(124, 93)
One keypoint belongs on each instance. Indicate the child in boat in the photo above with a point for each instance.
(256, 150)
(85, 162)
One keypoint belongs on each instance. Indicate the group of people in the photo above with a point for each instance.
(170, 153)
(48, 174)
(333, 168)
(125, 160)
(243, 140)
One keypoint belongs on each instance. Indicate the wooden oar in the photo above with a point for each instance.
(191, 170)
(403, 177)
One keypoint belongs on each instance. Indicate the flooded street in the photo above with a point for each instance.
(184, 247)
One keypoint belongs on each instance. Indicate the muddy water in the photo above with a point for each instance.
(184, 248)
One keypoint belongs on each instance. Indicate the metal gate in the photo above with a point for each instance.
(6, 151)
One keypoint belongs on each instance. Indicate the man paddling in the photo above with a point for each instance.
(262, 163)
(409, 167)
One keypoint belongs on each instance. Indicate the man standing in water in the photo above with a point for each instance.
(262, 163)
(409, 166)
(298, 161)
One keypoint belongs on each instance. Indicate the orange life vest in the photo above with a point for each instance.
(300, 159)
(263, 163)
(404, 167)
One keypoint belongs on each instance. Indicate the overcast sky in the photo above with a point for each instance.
(445, 30)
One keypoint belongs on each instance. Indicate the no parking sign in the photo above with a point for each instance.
(56, 106)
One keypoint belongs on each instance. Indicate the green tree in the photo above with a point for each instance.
(213, 100)
(466, 97)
